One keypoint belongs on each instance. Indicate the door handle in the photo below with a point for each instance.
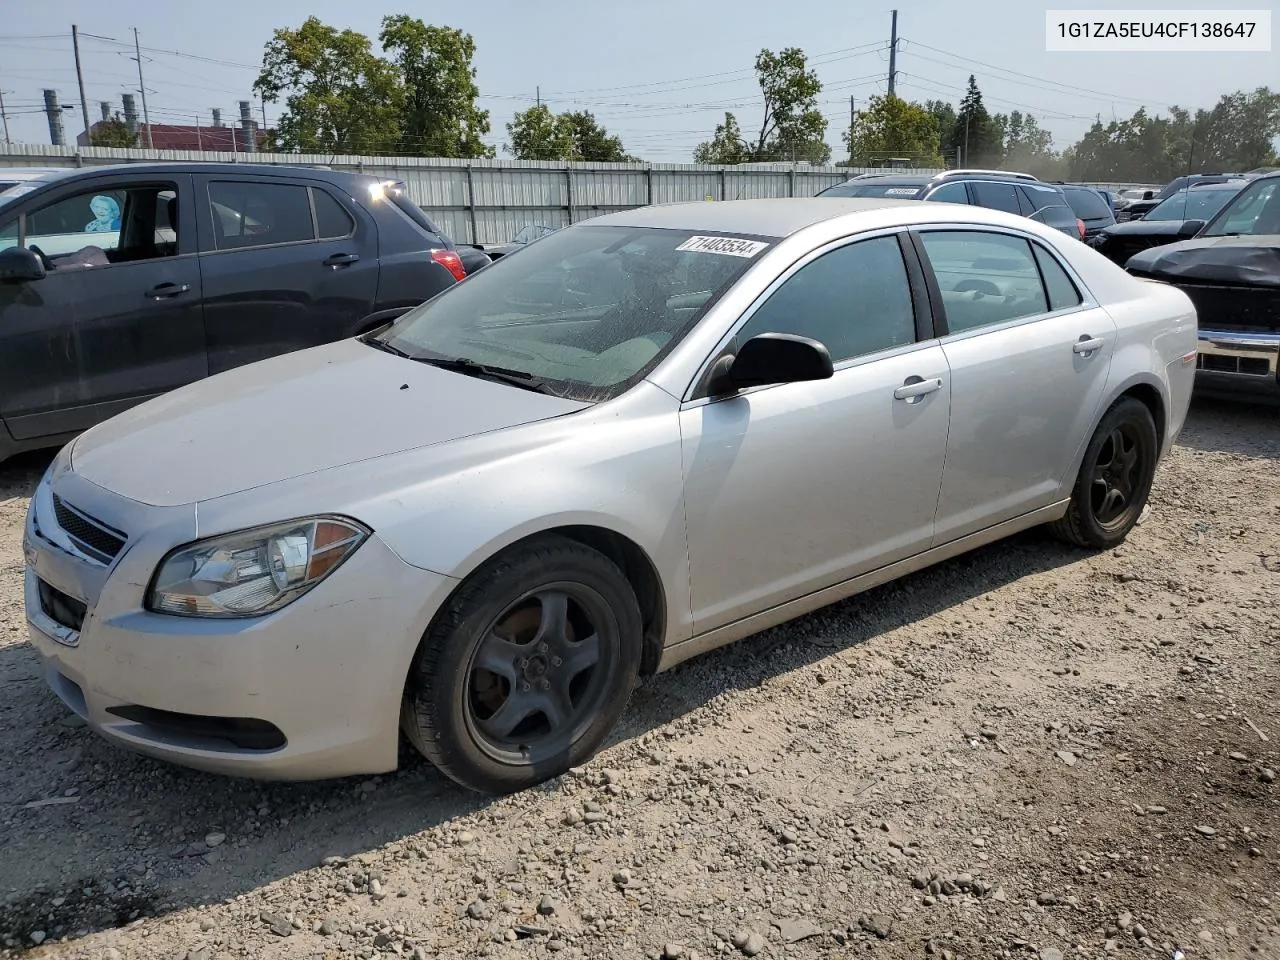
(915, 388)
(165, 291)
(1087, 344)
(341, 259)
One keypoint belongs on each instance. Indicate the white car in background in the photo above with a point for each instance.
(480, 524)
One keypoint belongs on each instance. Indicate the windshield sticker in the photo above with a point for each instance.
(728, 246)
(901, 192)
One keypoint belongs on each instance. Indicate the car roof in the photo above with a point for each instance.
(260, 169)
(779, 217)
(783, 217)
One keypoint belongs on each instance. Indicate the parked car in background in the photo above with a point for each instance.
(526, 236)
(15, 177)
(1231, 271)
(472, 257)
(1091, 206)
(1141, 208)
(486, 521)
(120, 283)
(1178, 217)
(1018, 193)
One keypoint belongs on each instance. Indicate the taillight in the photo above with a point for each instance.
(450, 260)
(1080, 227)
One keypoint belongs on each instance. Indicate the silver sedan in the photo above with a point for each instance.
(650, 434)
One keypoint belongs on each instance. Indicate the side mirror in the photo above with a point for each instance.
(1190, 228)
(18, 265)
(771, 358)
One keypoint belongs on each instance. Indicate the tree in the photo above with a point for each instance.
(726, 147)
(441, 118)
(114, 132)
(539, 134)
(592, 142)
(944, 114)
(1025, 145)
(792, 127)
(339, 96)
(977, 137)
(892, 127)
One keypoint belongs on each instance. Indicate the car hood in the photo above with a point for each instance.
(1249, 261)
(295, 414)
(1144, 228)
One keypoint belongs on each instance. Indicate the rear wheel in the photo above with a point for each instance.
(527, 668)
(1115, 478)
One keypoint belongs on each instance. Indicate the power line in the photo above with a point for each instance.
(1066, 87)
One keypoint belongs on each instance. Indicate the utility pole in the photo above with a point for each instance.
(966, 139)
(539, 95)
(199, 137)
(4, 117)
(893, 55)
(84, 103)
(853, 112)
(142, 89)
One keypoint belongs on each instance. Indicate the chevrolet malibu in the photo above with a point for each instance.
(649, 435)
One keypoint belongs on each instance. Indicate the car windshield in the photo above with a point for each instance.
(1253, 212)
(1196, 204)
(584, 312)
(875, 188)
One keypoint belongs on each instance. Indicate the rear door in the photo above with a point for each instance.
(996, 195)
(117, 319)
(288, 263)
(1029, 354)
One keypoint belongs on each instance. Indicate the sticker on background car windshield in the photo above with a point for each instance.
(900, 192)
(729, 246)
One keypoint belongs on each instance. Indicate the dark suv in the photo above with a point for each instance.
(121, 283)
(1091, 207)
(1018, 193)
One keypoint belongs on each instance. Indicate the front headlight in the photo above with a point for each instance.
(252, 572)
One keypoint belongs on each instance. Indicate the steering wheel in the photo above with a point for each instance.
(44, 259)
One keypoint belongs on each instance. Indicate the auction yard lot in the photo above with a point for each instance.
(1029, 751)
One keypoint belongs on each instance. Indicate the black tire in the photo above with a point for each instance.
(506, 615)
(1115, 478)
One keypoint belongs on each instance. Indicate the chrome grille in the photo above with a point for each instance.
(92, 536)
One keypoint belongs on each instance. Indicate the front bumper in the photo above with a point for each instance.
(311, 691)
(1239, 363)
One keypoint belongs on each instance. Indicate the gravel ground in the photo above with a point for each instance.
(1027, 752)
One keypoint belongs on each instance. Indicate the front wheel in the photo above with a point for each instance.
(527, 667)
(1115, 478)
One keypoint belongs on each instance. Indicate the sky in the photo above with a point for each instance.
(660, 74)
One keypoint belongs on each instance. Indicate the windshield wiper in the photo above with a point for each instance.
(382, 345)
(516, 378)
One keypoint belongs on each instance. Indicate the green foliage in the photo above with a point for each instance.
(539, 134)
(892, 127)
(340, 97)
(977, 136)
(112, 133)
(441, 118)
(792, 128)
(726, 147)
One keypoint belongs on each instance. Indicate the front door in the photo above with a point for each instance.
(116, 320)
(1029, 359)
(795, 487)
(286, 264)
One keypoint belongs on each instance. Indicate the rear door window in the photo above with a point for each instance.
(985, 278)
(996, 196)
(252, 214)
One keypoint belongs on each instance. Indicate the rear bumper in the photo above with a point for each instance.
(1239, 363)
